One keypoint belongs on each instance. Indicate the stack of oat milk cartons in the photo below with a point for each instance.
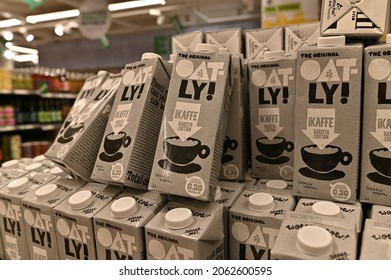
(129, 140)
(234, 158)
(188, 157)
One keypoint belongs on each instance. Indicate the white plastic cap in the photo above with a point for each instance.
(39, 158)
(277, 184)
(260, 201)
(179, 218)
(18, 185)
(47, 191)
(14, 163)
(34, 167)
(217, 193)
(388, 39)
(273, 54)
(57, 171)
(172, 57)
(25, 160)
(332, 41)
(81, 200)
(326, 208)
(123, 207)
(206, 48)
(149, 55)
(223, 50)
(314, 240)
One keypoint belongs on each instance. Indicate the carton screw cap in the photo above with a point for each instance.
(57, 171)
(123, 207)
(11, 163)
(179, 218)
(150, 55)
(314, 240)
(332, 41)
(18, 185)
(47, 191)
(206, 48)
(81, 200)
(273, 54)
(260, 202)
(34, 167)
(277, 184)
(326, 208)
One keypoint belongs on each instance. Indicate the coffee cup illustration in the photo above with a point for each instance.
(184, 152)
(273, 148)
(113, 142)
(381, 161)
(229, 144)
(73, 129)
(326, 159)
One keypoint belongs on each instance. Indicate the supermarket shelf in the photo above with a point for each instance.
(58, 95)
(43, 127)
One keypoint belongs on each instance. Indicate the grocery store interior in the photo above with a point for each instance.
(239, 147)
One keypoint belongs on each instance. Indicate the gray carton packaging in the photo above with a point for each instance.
(200, 236)
(272, 106)
(38, 216)
(299, 35)
(331, 238)
(128, 144)
(76, 146)
(12, 228)
(226, 195)
(254, 223)
(328, 119)
(234, 159)
(74, 223)
(380, 213)
(260, 40)
(376, 133)
(189, 150)
(375, 242)
(119, 227)
(187, 41)
(350, 212)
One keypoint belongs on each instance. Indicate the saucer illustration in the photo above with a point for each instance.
(105, 157)
(183, 169)
(63, 140)
(327, 176)
(279, 160)
(226, 158)
(378, 178)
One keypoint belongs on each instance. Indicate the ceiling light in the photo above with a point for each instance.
(8, 54)
(155, 12)
(59, 30)
(134, 4)
(26, 58)
(9, 23)
(18, 49)
(52, 16)
(8, 35)
(29, 37)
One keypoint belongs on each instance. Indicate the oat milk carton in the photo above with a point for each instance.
(254, 223)
(275, 186)
(380, 213)
(187, 41)
(119, 227)
(12, 228)
(299, 35)
(272, 105)
(227, 193)
(327, 121)
(186, 230)
(375, 184)
(350, 212)
(375, 242)
(76, 146)
(314, 237)
(73, 220)
(127, 149)
(260, 40)
(189, 150)
(37, 209)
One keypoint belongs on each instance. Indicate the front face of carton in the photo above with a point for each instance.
(12, 226)
(253, 233)
(363, 19)
(39, 220)
(375, 241)
(327, 122)
(127, 149)
(381, 213)
(376, 150)
(122, 238)
(188, 153)
(341, 242)
(76, 146)
(201, 240)
(272, 104)
(74, 228)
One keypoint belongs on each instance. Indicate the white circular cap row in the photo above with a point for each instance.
(260, 202)
(326, 208)
(123, 207)
(18, 185)
(47, 191)
(81, 199)
(14, 163)
(314, 240)
(179, 218)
